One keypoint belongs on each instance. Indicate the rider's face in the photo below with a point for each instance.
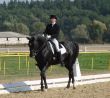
(53, 20)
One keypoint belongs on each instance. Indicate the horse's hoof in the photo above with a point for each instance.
(46, 87)
(65, 88)
(68, 87)
(74, 87)
(42, 89)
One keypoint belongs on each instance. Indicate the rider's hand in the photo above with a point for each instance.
(48, 36)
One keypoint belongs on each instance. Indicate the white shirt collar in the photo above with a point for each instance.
(53, 24)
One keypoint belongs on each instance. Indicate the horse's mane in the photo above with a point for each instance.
(40, 38)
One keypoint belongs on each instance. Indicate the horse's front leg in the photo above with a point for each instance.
(42, 87)
(45, 82)
(43, 78)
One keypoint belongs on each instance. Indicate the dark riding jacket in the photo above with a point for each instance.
(52, 30)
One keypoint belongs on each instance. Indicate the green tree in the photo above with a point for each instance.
(106, 36)
(38, 27)
(70, 13)
(80, 33)
(61, 36)
(97, 29)
(8, 26)
(22, 28)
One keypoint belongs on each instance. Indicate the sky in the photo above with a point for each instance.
(1, 1)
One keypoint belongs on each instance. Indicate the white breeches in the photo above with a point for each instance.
(54, 40)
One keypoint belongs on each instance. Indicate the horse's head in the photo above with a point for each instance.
(31, 45)
(35, 44)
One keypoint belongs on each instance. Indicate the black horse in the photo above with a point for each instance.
(40, 48)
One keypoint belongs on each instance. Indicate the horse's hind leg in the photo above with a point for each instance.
(73, 80)
(71, 76)
(69, 81)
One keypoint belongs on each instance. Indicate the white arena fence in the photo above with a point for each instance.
(83, 48)
(95, 48)
(13, 41)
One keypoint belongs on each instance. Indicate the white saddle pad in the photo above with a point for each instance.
(62, 49)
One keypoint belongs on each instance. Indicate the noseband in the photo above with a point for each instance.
(36, 52)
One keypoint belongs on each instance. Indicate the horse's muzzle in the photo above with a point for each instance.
(32, 54)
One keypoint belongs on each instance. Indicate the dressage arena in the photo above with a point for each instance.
(94, 83)
(99, 90)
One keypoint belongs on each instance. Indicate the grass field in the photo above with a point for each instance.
(24, 66)
(95, 61)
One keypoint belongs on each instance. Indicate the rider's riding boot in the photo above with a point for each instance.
(61, 59)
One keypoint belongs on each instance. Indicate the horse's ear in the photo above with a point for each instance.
(28, 37)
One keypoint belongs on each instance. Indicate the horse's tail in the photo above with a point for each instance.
(76, 49)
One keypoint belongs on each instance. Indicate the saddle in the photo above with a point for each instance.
(53, 48)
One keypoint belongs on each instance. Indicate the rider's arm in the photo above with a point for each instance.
(46, 30)
(56, 31)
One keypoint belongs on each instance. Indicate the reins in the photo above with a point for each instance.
(37, 52)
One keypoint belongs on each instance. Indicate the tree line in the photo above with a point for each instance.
(85, 21)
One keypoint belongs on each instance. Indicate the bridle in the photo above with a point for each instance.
(36, 52)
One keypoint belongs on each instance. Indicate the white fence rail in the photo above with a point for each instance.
(52, 83)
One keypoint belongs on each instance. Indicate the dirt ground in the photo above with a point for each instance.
(99, 90)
